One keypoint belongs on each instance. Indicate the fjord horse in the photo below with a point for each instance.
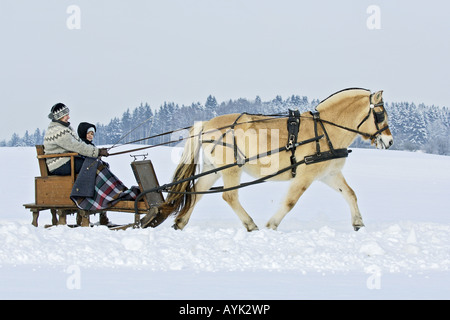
(229, 138)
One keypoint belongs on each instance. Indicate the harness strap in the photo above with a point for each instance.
(327, 155)
(367, 135)
(293, 126)
(330, 145)
(316, 118)
(238, 159)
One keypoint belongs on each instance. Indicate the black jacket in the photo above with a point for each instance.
(82, 131)
(84, 185)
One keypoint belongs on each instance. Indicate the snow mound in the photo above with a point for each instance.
(229, 249)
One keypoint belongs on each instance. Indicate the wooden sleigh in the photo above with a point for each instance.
(53, 193)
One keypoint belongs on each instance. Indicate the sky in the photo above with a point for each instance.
(100, 57)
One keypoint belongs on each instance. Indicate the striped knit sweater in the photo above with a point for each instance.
(61, 138)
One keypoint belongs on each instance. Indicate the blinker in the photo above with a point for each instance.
(379, 116)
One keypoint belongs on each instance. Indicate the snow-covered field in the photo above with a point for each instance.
(402, 253)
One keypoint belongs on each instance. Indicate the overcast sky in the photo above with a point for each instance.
(116, 54)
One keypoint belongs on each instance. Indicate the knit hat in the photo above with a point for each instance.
(58, 111)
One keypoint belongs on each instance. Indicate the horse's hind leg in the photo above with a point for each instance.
(338, 183)
(203, 184)
(231, 178)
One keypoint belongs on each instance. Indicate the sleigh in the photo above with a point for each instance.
(314, 149)
(52, 193)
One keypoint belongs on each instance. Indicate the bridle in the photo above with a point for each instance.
(378, 116)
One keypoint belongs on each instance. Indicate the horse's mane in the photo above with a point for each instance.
(340, 95)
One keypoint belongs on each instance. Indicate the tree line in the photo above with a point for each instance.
(415, 127)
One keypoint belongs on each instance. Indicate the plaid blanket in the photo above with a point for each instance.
(102, 191)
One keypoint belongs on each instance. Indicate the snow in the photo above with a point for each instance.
(402, 253)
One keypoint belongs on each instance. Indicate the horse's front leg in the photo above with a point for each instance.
(296, 189)
(338, 183)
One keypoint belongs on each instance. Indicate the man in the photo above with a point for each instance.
(61, 138)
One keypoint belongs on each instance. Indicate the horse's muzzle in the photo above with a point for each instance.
(384, 141)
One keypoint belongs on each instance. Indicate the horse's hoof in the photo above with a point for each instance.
(177, 227)
(252, 227)
(271, 225)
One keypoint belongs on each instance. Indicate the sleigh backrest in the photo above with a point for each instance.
(42, 164)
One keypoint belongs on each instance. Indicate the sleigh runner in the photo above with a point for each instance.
(307, 147)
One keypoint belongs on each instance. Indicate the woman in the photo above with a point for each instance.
(61, 138)
(86, 132)
(98, 189)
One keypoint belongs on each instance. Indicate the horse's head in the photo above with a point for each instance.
(375, 124)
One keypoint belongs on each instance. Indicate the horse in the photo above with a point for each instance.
(232, 138)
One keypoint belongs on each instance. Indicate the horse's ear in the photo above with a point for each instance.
(377, 97)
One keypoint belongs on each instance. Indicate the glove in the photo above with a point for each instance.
(103, 152)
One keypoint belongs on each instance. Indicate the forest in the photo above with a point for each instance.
(415, 127)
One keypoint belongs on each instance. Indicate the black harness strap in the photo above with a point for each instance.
(238, 154)
(316, 118)
(293, 126)
(327, 155)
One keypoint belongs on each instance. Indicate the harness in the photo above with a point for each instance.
(321, 156)
(379, 117)
(293, 126)
(333, 153)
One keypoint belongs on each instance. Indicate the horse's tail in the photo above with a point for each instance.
(176, 202)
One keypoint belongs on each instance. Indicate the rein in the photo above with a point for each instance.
(378, 116)
(230, 127)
